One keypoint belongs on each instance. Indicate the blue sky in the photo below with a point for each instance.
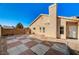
(68, 9)
(11, 14)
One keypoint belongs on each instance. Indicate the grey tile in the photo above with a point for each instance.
(40, 49)
(17, 50)
(11, 37)
(38, 41)
(60, 47)
(11, 41)
(26, 40)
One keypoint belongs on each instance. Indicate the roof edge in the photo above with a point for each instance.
(52, 5)
(37, 18)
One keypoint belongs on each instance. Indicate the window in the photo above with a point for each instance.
(43, 29)
(34, 28)
(61, 30)
(40, 29)
(78, 17)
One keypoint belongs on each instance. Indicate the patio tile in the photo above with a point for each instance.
(24, 38)
(31, 44)
(38, 41)
(14, 44)
(53, 52)
(20, 37)
(17, 50)
(26, 41)
(61, 48)
(40, 49)
(11, 41)
(27, 52)
(28, 37)
(27, 45)
(47, 43)
(11, 37)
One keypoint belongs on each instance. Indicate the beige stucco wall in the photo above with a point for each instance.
(78, 30)
(41, 22)
(58, 27)
(48, 21)
(53, 20)
(63, 23)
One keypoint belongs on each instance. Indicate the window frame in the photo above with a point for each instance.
(43, 29)
(62, 30)
(34, 28)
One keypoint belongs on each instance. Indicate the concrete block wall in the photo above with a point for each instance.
(8, 32)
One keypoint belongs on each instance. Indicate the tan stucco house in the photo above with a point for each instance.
(51, 25)
(55, 26)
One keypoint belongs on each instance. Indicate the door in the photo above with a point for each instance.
(72, 31)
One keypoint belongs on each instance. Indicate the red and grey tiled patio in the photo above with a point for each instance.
(29, 45)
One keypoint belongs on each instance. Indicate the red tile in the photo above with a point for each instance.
(53, 52)
(14, 44)
(31, 44)
(22, 38)
(27, 52)
(47, 43)
(37, 40)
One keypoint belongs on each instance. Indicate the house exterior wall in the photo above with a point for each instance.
(55, 23)
(50, 22)
(78, 30)
(63, 24)
(53, 20)
(58, 27)
(41, 22)
(73, 26)
(47, 21)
